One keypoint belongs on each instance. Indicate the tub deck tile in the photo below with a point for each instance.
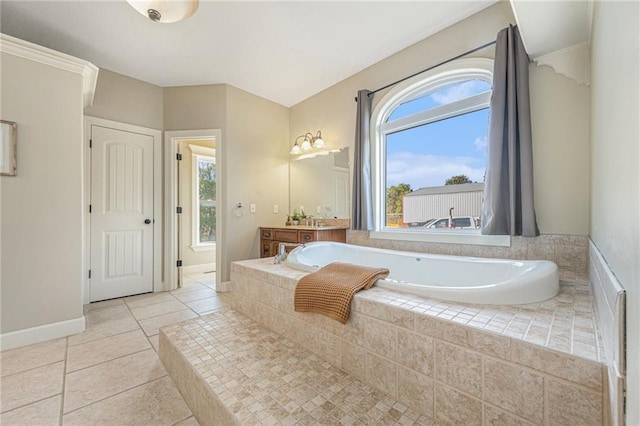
(565, 323)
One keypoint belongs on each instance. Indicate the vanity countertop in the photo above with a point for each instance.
(306, 228)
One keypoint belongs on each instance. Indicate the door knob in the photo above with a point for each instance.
(147, 221)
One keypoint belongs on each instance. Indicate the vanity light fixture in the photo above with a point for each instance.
(318, 142)
(309, 142)
(296, 149)
(165, 11)
(306, 144)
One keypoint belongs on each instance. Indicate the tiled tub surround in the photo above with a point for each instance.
(455, 363)
(569, 252)
(609, 300)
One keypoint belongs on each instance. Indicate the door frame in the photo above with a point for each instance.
(88, 121)
(172, 139)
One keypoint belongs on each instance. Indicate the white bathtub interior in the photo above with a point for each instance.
(455, 278)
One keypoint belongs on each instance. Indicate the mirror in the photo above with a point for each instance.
(320, 185)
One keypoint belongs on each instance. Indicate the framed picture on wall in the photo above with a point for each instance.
(8, 145)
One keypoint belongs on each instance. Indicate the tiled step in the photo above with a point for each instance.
(231, 370)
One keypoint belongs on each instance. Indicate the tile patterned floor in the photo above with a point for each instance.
(110, 374)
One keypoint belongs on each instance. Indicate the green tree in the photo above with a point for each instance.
(207, 193)
(394, 203)
(457, 180)
(394, 197)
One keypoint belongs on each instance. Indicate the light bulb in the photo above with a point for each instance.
(295, 150)
(318, 143)
(306, 145)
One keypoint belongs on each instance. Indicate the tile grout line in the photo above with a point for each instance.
(186, 418)
(188, 307)
(142, 329)
(112, 359)
(31, 369)
(30, 403)
(117, 393)
(151, 304)
(164, 313)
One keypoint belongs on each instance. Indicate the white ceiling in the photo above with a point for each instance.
(282, 51)
(550, 26)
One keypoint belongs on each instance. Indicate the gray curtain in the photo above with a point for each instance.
(362, 205)
(508, 192)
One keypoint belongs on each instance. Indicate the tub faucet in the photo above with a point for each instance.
(282, 251)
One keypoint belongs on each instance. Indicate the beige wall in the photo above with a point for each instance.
(256, 159)
(188, 256)
(615, 164)
(560, 129)
(41, 207)
(195, 107)
(559, 116)
(126, 100)
(253, 159)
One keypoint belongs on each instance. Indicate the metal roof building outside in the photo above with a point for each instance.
(434, 202)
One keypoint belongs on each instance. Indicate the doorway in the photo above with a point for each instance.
(193, 214)
(124, 220)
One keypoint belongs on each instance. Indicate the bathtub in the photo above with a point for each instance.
(454, 278)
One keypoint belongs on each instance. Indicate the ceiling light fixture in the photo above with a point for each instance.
(309, 142)
(165, 11)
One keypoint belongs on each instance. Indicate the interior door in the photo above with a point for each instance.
(121, 213)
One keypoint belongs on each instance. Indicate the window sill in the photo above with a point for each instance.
(204, 247)
(446, 237)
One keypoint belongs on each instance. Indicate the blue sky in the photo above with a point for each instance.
(428, 155)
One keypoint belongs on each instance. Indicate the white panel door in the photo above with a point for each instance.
(121, 213)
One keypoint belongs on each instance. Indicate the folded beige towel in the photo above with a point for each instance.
(329, 290)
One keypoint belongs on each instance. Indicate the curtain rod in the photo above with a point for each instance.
(491, 43)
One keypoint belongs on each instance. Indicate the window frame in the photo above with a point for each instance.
(199, 153)
(415, 87)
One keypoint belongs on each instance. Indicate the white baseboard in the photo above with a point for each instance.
(205, 267)
(41, 333)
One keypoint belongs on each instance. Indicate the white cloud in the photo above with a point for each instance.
(481, 143)
(420, 170)
(458, 91)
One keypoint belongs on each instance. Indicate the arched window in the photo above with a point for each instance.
(429, 137)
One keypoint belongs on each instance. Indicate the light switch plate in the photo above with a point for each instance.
(275, 208)
(252, 208)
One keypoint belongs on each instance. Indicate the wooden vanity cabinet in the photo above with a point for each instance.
(270, 238)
